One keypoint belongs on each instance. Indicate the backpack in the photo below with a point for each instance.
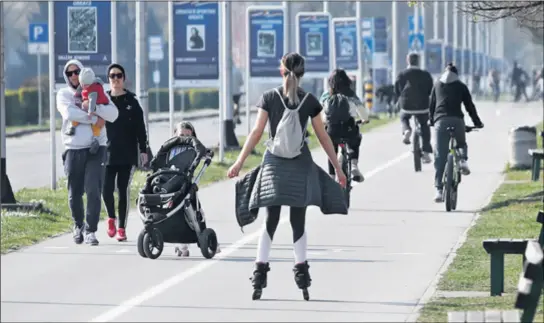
(290, 136)
(338, 109)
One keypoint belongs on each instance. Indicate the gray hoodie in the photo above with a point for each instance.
(69, 106)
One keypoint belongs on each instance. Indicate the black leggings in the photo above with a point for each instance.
(122, 174)
(298, 224)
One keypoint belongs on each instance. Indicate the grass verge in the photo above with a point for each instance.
(511, 214)
(21, 229)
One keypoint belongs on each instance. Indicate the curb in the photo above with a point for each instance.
(22, 133)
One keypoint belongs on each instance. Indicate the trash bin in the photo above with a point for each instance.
(521, 140)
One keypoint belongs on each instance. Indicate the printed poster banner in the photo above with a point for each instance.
(266, 42)
(82, 32)
(313, 42)
(433, 56)
(196, 44)
(345, 44)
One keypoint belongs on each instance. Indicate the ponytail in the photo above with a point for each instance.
(290, 88)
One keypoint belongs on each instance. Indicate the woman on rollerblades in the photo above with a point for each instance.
(279, 181)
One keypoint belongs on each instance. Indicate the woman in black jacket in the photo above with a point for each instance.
(127, 141)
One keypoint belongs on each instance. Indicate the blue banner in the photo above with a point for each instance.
(449, 54)
(82, 32)
(433, 56)
(458, 59)
(196, 43)
(266, 33)
(345, 43)
(367, 35)
(380, 34)
(313, 42)
(416, 42)
(466, 61)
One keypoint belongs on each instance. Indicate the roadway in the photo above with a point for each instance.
(37, 147)
(378, 263)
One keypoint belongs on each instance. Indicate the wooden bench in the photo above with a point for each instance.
(497, 248)
(538, 156)
(527, 298)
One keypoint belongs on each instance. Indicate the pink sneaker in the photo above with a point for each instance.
(121, 235)
(111, 228)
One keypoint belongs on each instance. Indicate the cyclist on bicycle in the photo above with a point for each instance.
(445, 111)
(340, 108)
(412, 89)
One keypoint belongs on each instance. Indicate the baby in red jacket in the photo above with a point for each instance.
(92, 93)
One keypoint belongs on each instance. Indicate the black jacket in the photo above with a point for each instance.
(412, 89)
(160, 161)
(127, 136)
(446, 98)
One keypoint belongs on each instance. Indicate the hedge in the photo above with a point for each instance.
(22, 104)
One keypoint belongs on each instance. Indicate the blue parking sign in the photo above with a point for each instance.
(313, 42)
(345, 44)
(266, 42)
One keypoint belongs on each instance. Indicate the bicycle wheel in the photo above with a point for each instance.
(416, 149)
(455, 190)
(344, 163)
(449, 183)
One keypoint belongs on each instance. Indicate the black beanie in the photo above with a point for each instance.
(115, 65)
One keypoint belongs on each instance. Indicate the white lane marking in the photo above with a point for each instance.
(156, 290)
(54, 247)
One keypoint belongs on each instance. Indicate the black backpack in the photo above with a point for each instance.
(338, 109)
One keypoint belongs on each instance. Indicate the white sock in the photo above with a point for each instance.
(265, 244)
(300, 249)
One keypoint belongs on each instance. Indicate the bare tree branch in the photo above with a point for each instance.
(529, 14)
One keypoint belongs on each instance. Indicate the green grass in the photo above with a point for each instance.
(511, 214)
(22, 229)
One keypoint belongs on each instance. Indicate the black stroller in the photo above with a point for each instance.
(168, 203)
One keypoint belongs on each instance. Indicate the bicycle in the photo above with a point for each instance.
(416, 146)
(452, 173)
(345, 164)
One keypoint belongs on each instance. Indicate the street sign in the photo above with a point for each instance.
(345, 44)
(196, 44)
(266, 42)
(313, 30)
(38, 41)
(367, 33)
(416, 42)
(156, 52)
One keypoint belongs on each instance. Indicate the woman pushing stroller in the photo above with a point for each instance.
(177, 156)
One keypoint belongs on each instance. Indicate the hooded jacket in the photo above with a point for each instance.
(447, 96)
(127, 135)
(69, 106)
(412, 89)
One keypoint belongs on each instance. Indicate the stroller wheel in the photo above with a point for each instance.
(140, 244)
(153, 243)
(207, 241)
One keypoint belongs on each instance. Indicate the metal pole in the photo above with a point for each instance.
(423, 60)
(171, 65)
(435, 19)
(289, 27)
(455, 29)
(360, 73)
(2, 104)
(114, 31)
(446, 33)
(395, 41)
(464, 40)
(225, 75)
(325, 80)
(157, 102)
(141, 60)
(470, 46)
(40, 104)
(52, 101)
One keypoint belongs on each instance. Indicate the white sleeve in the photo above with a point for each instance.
(70, 111)
(357, 109)
(108, 111)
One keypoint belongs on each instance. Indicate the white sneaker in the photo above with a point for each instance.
(439, 196)
(406, 136)
(426, 158)
(463, 167)
(356, 174)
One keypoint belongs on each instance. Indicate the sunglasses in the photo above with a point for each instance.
(70, 73)
(116, 75)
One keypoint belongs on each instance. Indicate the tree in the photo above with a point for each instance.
(528, 14)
